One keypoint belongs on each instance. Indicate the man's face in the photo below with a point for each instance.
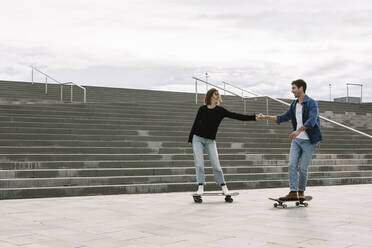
(296, 91)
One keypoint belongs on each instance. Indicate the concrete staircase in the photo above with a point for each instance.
(135, 141)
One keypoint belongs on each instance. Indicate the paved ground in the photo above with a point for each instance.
(335, 218)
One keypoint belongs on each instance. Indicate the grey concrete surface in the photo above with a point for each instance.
(338, 216)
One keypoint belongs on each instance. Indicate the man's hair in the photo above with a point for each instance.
(208, 96)
(300, 83)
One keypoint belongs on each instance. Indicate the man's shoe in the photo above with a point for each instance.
(292, 196)
(301, 195)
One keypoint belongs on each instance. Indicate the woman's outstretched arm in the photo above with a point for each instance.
(237, 116)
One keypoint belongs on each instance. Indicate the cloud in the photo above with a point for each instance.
(259, 45)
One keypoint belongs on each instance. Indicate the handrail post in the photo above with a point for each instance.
(224, 88)
(61, 93)
(361, 93)
(267, 109)
(245, 109)
(245, 106)
(71, 93)
(85, 95)
(196, 91)
(32, 75)
(206, 80)
(46, 86)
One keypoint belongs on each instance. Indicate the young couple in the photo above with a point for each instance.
(304, 114)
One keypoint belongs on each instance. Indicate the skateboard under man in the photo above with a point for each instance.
(302, 202)
(228, 198)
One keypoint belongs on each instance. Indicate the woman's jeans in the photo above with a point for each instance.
(300, 154)
(198, 144)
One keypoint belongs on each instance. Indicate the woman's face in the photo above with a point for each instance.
(216, 97)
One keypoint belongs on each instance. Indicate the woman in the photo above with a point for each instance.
(203, 135)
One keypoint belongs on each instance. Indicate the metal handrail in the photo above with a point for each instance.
(326, 119)
(249, 92)
(218, 87)
(347, 91)
(321, 117)
(203, 81)
(243, 90)
(60, 83)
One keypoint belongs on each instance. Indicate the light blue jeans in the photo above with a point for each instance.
(300, 155)
(198, 145)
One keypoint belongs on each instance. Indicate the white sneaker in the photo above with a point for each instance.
(200, 190)
(225, 190)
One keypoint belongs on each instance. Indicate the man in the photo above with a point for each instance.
(304, 114)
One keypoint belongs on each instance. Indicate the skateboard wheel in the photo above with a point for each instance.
(198, 199)
(284, 205)
(275, 205)
(229, 199)
(306, 204)
(297, 204)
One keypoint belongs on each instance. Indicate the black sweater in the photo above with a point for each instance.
(207, 121)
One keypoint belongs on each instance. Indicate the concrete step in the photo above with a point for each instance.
(252, 133)
(161, 105)
(130, 164)
(169, 171)
(246, 125)
(145, 104)
(10, 126)
(144, 122)
(188, 110)
(9, 120)
(152, 157)
(10, 143)
(16, 193)
(147, 125)
(169, 150)
(117, 180)
(163, 139)
(128, 110)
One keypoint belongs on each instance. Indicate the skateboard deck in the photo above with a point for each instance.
(228, 198)
(281, 203)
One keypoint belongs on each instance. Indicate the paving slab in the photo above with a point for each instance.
(338, 216)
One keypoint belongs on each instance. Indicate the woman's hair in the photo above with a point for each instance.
(208, 96)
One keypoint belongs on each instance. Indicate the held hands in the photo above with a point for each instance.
(190, 144)
(260, 116)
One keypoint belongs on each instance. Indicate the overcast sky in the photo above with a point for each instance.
(160, 44)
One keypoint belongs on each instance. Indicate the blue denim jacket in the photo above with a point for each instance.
(310, 118)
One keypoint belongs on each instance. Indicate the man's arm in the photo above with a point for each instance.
(266, 117)
(313, 114)
(286, 116)
(294, 134)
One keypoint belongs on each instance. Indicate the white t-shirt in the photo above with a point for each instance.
(303, 134)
